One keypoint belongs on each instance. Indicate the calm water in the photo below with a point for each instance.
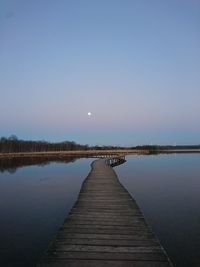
(167, 188)
(35, 201)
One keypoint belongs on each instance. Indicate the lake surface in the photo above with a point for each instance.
(34, 203)
(167, 188)
(36, 199)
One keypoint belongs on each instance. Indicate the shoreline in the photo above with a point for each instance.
(179, 151)
(93, 153)
(74, 153)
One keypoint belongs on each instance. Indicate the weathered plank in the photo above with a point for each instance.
(103, 263)
(108, 242)
(105, 228)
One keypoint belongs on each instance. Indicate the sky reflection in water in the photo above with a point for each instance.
(167, 188)
(36, 199)
(34, 203)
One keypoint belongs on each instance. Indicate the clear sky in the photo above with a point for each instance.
(134, 64)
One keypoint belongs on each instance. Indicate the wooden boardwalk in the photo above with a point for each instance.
(104, 228)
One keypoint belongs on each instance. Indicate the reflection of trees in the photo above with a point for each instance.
(12, 164)
(12, 170)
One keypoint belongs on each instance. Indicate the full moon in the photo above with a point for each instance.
(89, 113)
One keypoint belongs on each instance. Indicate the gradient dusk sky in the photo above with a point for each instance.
(134, 64)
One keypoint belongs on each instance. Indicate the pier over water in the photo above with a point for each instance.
(105, 228)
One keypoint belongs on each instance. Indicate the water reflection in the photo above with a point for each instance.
(167, 188)
(34, 202)
(36, 199)
(12, 164)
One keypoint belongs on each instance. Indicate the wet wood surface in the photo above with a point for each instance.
(104, 228)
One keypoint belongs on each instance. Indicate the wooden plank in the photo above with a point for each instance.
(105, 228)
(104, 242)
(102, 263)
(136, 236)
(107, 256)
(99, 222)
(135, 233)
(108, 249)
(106, 216)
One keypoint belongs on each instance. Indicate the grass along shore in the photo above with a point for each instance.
(74, 153)
(94, 152)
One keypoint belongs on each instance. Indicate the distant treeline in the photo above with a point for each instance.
(160, 148)
(14, 145)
